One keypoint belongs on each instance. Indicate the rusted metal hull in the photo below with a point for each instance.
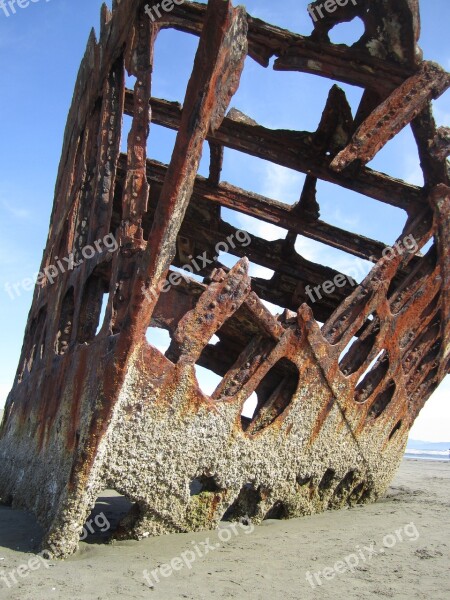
(90, 410)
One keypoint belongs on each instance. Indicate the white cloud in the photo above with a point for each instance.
(8, 256)
(262, 272)
(313, 251)
(264, 230)
(10, 41)
(5, 388)
(282, 184)
(16, 212)
(413, 171)
(273, 308)
(333, 258)
(441, 111)
(344, 220)
(433, 422)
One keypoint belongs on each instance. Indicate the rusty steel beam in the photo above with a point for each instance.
(337, 382)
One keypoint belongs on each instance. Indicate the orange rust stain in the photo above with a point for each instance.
(80, 378)
(321, 418)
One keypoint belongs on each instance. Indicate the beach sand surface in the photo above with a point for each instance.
(269, 562)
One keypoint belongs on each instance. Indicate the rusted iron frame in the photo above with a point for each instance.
(188, 300)
(218, 64)
(394, 331)
(293, 150)
(333, 133)
(89, 88)
(138, 58)
(343, 387)
(274, 212)
(220, 300)
(440, 201)
(376, 284)
(391, 116)
(416, 299)
(300, 53)
(111, 54)
(128, 334)
(103, 157)
(270, 255)
(421, 345)
(350, 317)
(224, 230)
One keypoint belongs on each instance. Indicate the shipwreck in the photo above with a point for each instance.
(339, 382)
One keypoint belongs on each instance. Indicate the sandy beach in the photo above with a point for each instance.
(396, 548)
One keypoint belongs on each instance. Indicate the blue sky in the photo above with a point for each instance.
(40, 50)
